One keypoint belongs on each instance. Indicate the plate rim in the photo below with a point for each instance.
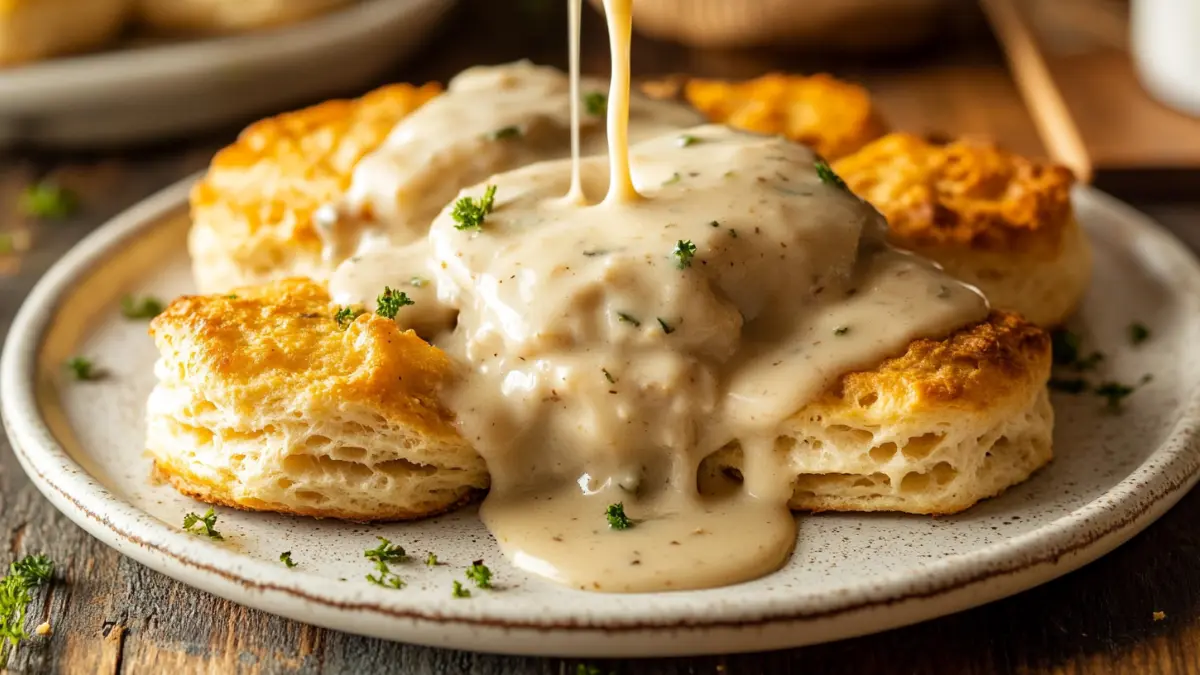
(30, 87)
(1079, 537)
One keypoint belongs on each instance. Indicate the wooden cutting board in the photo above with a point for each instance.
(1071, 62)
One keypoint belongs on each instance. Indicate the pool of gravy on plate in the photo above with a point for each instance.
(614, 323)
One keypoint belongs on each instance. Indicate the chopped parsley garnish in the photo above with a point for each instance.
(458, 591)
(841, 330)
(205, 524)
(47, 200)
(608, 376)
(684, 251)
(617, 519)
(82, 368)
(388, 304)
(827, 175)
(385, 577)
(1113, 393)
(675, 178)
(596, 103)
(23, 576)
(231, 297)
(1075, 385)
(1065, 346)
(346, 315)
(505, 133)
(418, 282)
(480, 574)
(687, 139)
(628, 318)
(431, 559)
(470, 213)
(1089, 362)
(385, 552)
(667, 328)
(146, 307)
(1138, 333)
(286, 559)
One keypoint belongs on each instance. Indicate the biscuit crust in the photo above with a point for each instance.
(266, 402)
(833, 117)
(931, 431)
(998, 221)
(252, 212)
(267, 370)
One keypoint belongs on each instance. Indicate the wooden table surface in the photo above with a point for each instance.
(112, 615)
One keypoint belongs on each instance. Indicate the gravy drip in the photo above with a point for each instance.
(601, 359)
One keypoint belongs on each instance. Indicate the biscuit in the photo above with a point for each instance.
(252, 212)
(228, 16)
(832, 117)
(933, 431)
(264, 402)
(31, 30)
(998, 221)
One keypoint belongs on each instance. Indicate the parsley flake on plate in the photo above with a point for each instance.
(480, 574)
(205, 524)
(83, 369)
(146, 307)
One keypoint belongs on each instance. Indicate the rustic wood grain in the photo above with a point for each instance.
(111, 615)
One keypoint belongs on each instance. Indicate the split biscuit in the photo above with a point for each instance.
(932, 431)
(265, 402)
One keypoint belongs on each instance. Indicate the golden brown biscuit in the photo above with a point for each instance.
(946, 424)
(253, 212)
(228, 16)
(996, 220)
(265, 402)
(36, 29)
(832, 117)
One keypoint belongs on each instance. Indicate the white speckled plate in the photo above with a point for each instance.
(142, 92)
(81, 443)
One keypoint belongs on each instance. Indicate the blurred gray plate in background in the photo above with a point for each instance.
(144, 93)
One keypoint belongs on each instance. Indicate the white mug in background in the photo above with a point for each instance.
(1166, 50)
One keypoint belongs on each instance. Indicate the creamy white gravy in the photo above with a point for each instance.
(605, 349)
(490, 119)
